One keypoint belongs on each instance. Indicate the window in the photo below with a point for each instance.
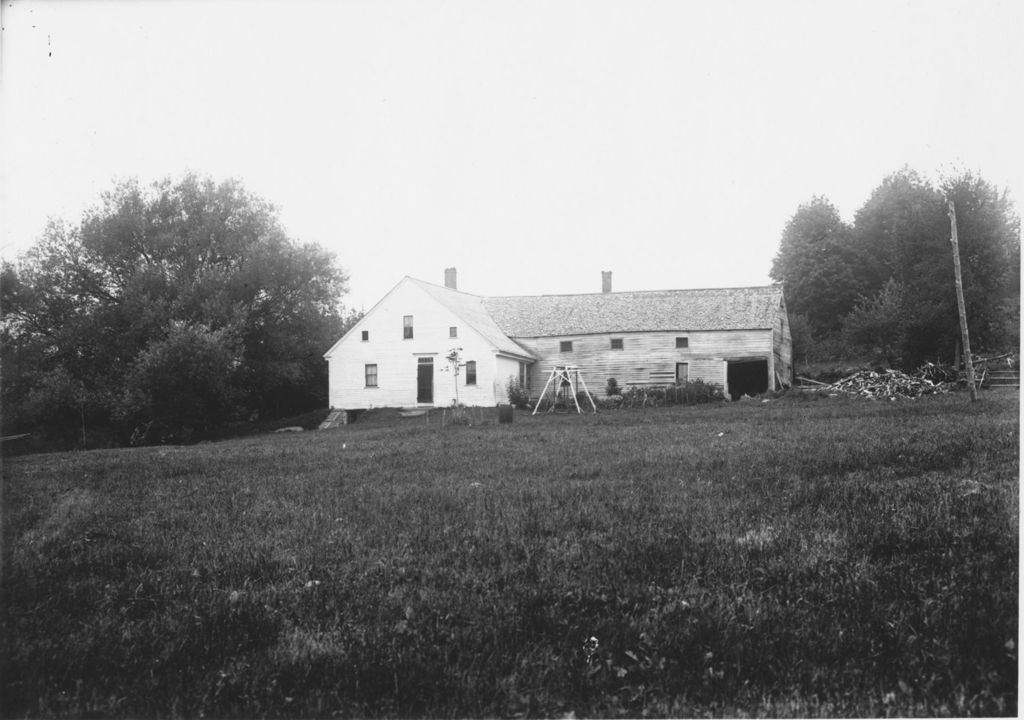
(371, 375)
(565, 346)
(471, 372)
(366, 335)
(616, 343)
(522, 374)
(453, 332)
(407, 327)
(682, 342)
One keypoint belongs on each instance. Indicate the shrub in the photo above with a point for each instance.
(692, 392)
(518, 396)
(610, 402)
(586, 402)
(612, 387)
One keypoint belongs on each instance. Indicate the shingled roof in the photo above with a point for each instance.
(471, 309)
(747, 308)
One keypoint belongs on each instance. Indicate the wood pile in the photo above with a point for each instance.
(890, 384)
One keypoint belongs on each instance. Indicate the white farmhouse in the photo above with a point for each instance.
(396, 355)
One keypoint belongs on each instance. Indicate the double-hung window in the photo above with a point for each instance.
(371, 375)
(471, 372)
(407, 327)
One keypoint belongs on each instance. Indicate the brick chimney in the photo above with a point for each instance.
(449, 278)
(606, 281)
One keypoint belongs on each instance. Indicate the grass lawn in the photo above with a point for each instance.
(830, 557)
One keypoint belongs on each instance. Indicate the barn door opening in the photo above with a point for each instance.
(747, 377)
(425, 380)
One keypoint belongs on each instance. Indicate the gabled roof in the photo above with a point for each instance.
(471, 309)
(500, 319)
(748, 308)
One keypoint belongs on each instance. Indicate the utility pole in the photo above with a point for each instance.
(968, 361)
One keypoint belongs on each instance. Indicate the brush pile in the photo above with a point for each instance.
(890, 384)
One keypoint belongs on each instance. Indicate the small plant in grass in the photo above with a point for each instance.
(612, 388)
(457, 414)
(455, 364)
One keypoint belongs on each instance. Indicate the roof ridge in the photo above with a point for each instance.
(634, 292)
(444, 287)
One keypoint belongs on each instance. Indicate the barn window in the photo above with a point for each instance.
(371, 375)
(565, 346)
(366, 335)
(471, 372)
(453, 332)
(616, 343)
(407, 327)
(682, 342)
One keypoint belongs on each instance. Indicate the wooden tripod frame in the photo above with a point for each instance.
(562, 376)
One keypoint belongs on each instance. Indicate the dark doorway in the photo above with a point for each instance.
(682, 373)
(425, 381)
(747, 377)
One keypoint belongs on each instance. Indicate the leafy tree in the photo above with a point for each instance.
(887, 281)
(988, 232)
(878, 324)
(101, 300)
(903, 231)
(818, 265)
(182, 385)
(899, 229)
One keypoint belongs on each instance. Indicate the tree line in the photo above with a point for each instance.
(172, 309)
(166, 312)
(882, 287)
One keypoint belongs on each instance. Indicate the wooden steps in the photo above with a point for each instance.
(1002, 377)
(336, 418)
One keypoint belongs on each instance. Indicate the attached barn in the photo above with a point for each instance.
(736, 338)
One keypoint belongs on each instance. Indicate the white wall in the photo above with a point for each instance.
(504, 368)
(397, 358)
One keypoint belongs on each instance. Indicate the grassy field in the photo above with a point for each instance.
(814, 558)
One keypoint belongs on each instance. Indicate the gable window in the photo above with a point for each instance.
(565, 346)
(371, 375)
(366, 335)
(471, 372)
(616, 343)
(682, 342)
(407, 327)
(453, 332)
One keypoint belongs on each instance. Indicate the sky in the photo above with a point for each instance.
(530, 145)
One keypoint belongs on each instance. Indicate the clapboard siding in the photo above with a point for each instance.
(397, 358)
(782, 342)
(513, 337)
(645, 353)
